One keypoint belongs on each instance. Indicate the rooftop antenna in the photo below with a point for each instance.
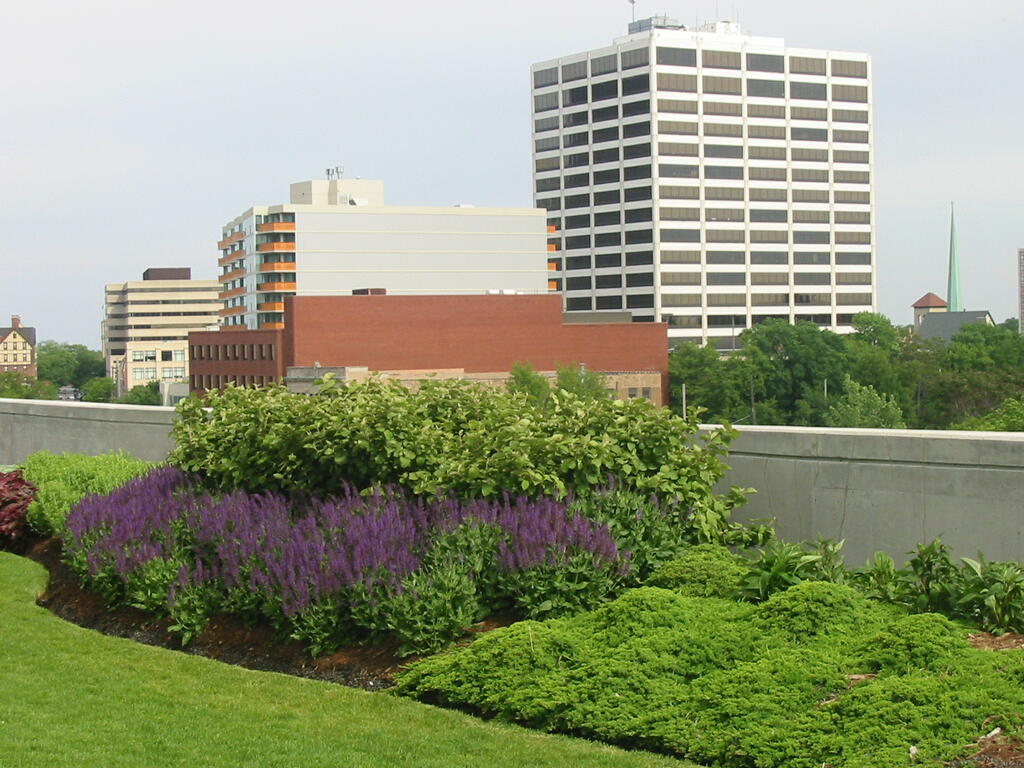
(632, 5)
(337, 172)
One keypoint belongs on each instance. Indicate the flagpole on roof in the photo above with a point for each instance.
(953, 299)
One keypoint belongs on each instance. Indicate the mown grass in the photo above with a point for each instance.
(74, 697)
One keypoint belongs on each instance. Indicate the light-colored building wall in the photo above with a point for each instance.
(708, 178)
(337, 236)
(145, 329)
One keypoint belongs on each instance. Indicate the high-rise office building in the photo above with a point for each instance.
(146, 323)
(1020, 290)
(336, 237)
(708, 178)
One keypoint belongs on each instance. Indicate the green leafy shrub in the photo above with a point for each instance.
(63, 480)
(992, 594)
(914, 642)
(931, 579)
(707, 570)
(811, 608)
(879, 579)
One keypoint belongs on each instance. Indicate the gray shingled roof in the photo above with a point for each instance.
(27, 332)
(945, 325)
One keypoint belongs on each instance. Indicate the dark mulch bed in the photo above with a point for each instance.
(225, 638)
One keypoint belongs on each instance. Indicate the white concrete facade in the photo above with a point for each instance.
(708, 179)
(337, 237)
(145, 328)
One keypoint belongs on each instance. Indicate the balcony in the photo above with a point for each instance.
(270, 306)
(233, 274)
(229, 311)
(275, 247)
(230, 239)
(271, 326)
(275, 287)
(231, 294)
(276, 226)
(277, 266)
(240, 253)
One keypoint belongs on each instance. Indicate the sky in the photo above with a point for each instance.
(131, 131)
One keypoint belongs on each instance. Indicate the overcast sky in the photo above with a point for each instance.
(131, 131)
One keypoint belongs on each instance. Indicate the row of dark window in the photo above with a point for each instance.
(726, 151)
(756, 215)
(669, 193)
(633, 108)
(639, 236)
(712, 172)
(739, 322)
(687, 57)
(634, 130)
(642, 258)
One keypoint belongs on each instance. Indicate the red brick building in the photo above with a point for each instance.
(478, 334)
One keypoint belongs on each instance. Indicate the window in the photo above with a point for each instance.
(672, 126)
(577, 241)
(574, 118)
(144, 374)
(545, 124)
(766, 131)
(637, 57)
(769, 215)
(607, 260)
(577, 222)
(769, 299)
(642, 301)
(811, 217)
(849, 116)
(853, 217)
(853, 278)
(812, 155)
(577, 201)
(637, 84)
(843, 196)
(578, 283)
(636, 108)
(723, 193)
(578, 160)
(636, 150)
(768, 174)
(766, 110)
(606, 239)
(727, 299)
(547, 164)
(606, 90)
(769, 257)
(723, 129)
(677, 150)
(764, 195)
(853, 258)
(726, 278)
(636, 129)
(680, 235)
(672, 105)
(771, 89)
(769, 236)
(810, 174)
(634, 172)
(723, 150)
(680, 214)
(680, 299)
(723, 85)
(803, 65)
(809, 134)
(769, 278)
(810, 195)
(723, 172)
(638, 215)
(819, 258)
(577, 262)
(850, 137)
(723, 108)
(847, 299)
(668, 81)
(811, 298)
(680, 193)
(547, 185)
(762, 62)
(851, 177)
(608, 281)
(609, 302)
(842, 68)
(577, 180)
(677, 57)
(812, 278)
(639, 236)
(811, 237)
(639, 280)
(721, 59)
(767, 153)
(853, 238)
(605, 134)
(602, 65)
(668, 170)
(724, 236)
(542, 102)
(726, 257)
(808, 113)
(572, 97)
(680, 257)
(610, 155)
(857, 93)
(813, 91)
(607, 197)
(604, 113)
(849, 156)
(576, 303)
(639, 258)
(724, 214)
(608, 176)
(544, 77)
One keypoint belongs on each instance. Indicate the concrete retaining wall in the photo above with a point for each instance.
(27, 426)
(886, 489)
(878, 489)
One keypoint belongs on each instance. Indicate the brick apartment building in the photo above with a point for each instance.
(18, 348)
(411, 337)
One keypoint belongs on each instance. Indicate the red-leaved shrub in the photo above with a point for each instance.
(16, 494)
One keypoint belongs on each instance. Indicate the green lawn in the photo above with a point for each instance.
(74, 697)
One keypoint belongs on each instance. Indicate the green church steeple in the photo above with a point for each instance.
(953, 300)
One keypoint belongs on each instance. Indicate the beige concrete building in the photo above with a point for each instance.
(146, 324)
(336, 237)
